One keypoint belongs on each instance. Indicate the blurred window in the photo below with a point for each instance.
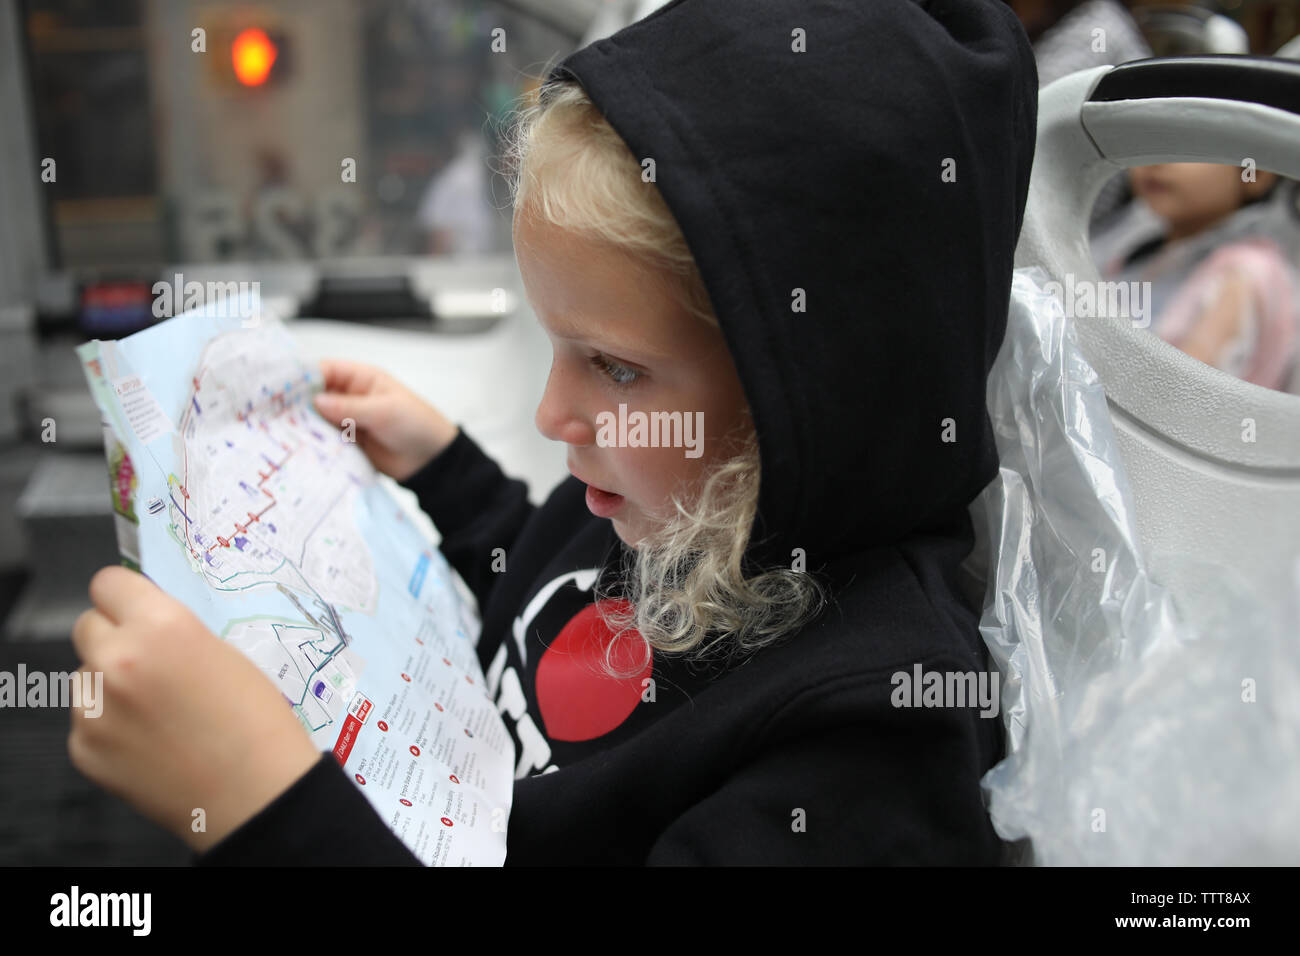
(187, 131)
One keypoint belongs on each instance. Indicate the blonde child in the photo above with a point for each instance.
(796, 222)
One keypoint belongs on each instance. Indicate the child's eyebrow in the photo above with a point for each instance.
(634, 351)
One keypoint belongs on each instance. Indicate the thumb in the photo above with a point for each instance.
(334, 408)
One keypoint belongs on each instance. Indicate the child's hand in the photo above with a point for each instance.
(187, 721)
(399, 431)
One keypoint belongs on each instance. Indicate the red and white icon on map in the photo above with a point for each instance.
(446, 821)
(415, 751)
(361, 780)
(453, 778)
(406, 677)
(438, 705)
(404, 802)
(360, 708)
(382, 725)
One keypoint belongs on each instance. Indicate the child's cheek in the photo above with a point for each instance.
(659, 470)
(644, 487)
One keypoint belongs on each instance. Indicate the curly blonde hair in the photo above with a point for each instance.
(686, 589)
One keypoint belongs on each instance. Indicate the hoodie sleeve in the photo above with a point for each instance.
(900, 789)
(475, 508)
(321, 820)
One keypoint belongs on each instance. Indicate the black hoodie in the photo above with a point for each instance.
(874, 154)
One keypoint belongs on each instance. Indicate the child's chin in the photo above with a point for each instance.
(624, 533)
(629, 535)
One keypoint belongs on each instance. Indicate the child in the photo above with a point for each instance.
(1221, 289)
(793, 224)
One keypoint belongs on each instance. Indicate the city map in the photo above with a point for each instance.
(233, 495)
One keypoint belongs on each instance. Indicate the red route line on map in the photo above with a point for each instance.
(239, 529)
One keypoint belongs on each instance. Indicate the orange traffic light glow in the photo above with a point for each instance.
(253, 55)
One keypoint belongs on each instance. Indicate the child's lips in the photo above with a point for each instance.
(603, 504)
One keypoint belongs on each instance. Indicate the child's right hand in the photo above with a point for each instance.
(398, 431)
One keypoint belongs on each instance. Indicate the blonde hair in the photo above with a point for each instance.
(684, 590)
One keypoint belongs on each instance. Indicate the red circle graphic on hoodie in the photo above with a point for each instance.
(578, 700)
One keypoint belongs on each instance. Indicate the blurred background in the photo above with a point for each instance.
(343, 154)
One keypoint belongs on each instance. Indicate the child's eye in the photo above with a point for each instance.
(618, 374)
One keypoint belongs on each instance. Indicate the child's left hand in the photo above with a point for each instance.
(188, 722)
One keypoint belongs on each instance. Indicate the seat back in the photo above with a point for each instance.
(1214, 462)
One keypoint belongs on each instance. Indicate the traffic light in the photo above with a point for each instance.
(248, 52)
(253, 55)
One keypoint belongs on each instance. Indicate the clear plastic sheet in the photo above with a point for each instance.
(1138, 731)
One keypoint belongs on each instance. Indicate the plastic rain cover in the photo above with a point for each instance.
(1138, 731)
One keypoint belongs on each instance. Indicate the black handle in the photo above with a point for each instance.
(1252, 79)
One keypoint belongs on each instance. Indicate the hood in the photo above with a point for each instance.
(880, 177)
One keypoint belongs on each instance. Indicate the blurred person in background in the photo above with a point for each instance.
(455, 211)
(1222, 288)
(1065, 36)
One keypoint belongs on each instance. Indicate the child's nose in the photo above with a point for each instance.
(559, 414)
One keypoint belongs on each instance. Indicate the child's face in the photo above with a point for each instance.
(619, 337)
(1191, 197)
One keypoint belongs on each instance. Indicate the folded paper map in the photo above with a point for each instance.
(233, 495)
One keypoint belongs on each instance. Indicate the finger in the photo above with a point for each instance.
(80, 753)
(116, 591)
(91, 702)
(86, 750)
(347, 376)
(89, 633)
(362, 409)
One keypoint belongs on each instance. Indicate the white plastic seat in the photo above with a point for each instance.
(1214, 462)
